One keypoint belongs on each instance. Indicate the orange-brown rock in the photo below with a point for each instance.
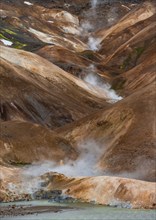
(40, 92)
(112, 191)
(125, 133)
(23, 143)
(48, 112)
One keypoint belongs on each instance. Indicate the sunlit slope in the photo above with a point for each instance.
(126, 134)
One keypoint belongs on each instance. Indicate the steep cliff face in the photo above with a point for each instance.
(77, 73)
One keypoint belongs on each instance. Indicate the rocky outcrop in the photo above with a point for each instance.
(110, 191)
(104, 190)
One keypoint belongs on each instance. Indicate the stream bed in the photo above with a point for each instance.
(80, 211)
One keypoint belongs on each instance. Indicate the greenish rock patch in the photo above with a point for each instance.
(118, 83)
(132, 58)
(20, 38)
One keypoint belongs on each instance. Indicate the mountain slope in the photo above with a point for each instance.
(23, 143)
(78, 97)
(125, 133)
(41, 92)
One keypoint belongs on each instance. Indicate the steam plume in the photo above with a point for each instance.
(93, 79)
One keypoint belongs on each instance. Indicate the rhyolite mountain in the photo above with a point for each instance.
(73, 72)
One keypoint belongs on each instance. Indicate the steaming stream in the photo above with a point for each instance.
(94, 45)
(90, 153)
(82, 211)
(93, 79)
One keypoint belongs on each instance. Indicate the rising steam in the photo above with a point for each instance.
(94, 3)
(85, 165)
(94, 43)
(93, 79)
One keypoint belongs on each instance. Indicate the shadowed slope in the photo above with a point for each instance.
(41, 92)
(23, 143)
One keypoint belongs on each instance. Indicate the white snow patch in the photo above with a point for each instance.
(6, 42)
(51, 21)
(28, 3)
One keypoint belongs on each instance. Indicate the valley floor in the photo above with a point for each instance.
(76, 211)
